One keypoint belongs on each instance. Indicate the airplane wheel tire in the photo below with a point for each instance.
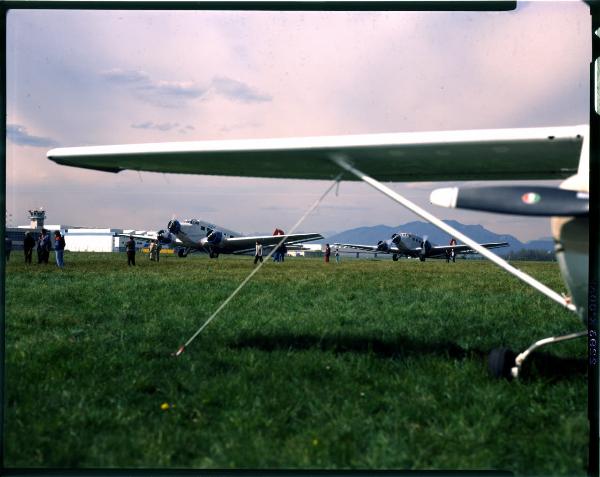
(422, 259)
(395, 258)
(500, 362)
(181, 253)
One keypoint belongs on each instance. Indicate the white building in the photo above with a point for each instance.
(92, 240)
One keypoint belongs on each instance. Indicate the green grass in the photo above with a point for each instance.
(366, 364)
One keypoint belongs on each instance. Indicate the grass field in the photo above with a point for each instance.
(366, 364)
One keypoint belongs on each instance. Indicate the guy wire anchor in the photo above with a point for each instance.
(179, 352)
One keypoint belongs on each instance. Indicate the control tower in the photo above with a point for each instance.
(36, 218)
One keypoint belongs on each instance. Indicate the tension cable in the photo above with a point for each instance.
(343, 163)
(257, 268)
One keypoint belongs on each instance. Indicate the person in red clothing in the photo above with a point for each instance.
(278, 254)
(327, 252)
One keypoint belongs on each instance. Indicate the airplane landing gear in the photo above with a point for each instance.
(422, 258)
(395, 257)
(213, 254)
(502, 362)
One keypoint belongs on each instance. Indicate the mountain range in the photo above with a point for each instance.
(371, 235)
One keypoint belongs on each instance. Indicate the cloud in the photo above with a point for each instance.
(238, 91)
(176, 93)
(161, 93)
(18, 135)
(184, 89)
(163, 126)
(119, 76)
(239, 126)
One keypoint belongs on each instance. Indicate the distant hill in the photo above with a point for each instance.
(371, 235)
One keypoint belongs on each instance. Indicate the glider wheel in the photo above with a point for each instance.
(500, 362)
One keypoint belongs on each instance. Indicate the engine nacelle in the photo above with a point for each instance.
(214, 238)
(174, 226)
(164, 237)
(426, 247)
(383, 246)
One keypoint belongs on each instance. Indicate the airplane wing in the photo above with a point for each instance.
(441, 249)
(244, 244)
(138, 236)
(366, 248)
(491, 154)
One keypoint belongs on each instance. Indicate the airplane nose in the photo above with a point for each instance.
(174, 226)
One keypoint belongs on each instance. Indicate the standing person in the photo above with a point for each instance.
(278, 255)
(282, 252)
(7, 247)
(258, 253)
(40, 248)
(43, 247)
(158, 249)
(47, 246)
(130, 248)
(153, 250)
(337, 254)
(28, 244)
(59, 249)
(452, 252)
(327, 252)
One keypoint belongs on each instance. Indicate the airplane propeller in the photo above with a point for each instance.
(383, 246)
(174, 226)
(164, 237)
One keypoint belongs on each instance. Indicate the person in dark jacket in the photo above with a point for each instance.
(59, 249)
(130, 249)
(43, 247)
(327, 252)
(451, 253)
(7, 247)
(28, 244)
(258, 252)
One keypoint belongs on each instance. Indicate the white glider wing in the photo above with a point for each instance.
(244, 244)
(491, 154)
(441, 249)
(356, 246)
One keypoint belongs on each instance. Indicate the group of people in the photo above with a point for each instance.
(328, 253)
(43, 246)
(155, 248)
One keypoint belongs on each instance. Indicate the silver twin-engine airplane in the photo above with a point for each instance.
(195, 235)
(405, 244)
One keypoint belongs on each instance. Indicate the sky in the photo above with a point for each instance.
(78, 78)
